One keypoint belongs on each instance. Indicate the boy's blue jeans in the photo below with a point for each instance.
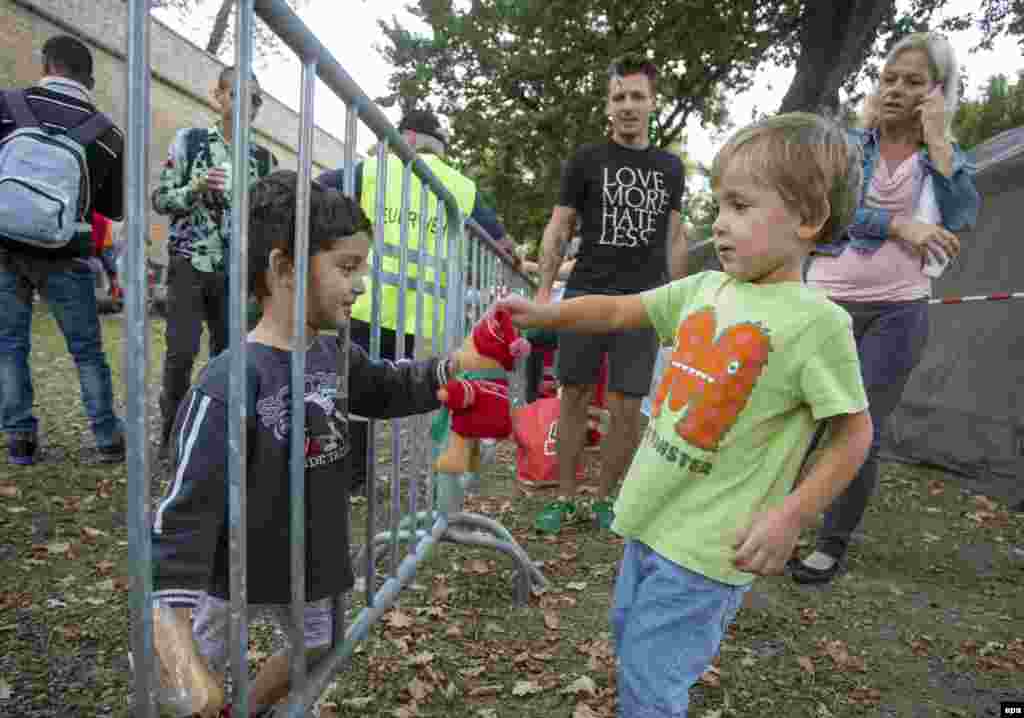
(668, 623)
(70, 289)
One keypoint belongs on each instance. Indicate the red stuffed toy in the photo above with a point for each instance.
(478, 400)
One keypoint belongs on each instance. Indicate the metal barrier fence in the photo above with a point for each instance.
(456, 255)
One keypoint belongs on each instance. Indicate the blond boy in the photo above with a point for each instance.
(758, 360)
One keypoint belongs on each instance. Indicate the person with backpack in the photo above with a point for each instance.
(60, 158)
(195, 191)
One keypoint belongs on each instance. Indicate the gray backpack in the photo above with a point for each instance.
(44, 177)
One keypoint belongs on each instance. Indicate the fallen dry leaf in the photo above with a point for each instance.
(584, 711)
(806, 663)
(407, 711)
(864, 696)
(104, 488)
(583, 684)
(808, 616)
(478, 566)
(122, 583)
(89, 534)
(491, 689)
(525, 688)
(397, 619)
(71, 632)
(936, 487)
(105, 568)
(454, 631)
(970, 648)
(440, 592)
(421, 659)
(418, 690)
(551, 620)
(984, 503)
(920, 646)
(9, 491)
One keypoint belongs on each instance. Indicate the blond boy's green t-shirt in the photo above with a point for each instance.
(753, 368)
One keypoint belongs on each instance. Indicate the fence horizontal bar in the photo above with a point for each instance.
(384, 599)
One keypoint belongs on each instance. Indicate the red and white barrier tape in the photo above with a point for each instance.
(978, 298)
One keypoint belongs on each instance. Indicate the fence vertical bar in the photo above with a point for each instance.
(437, 316)
(400, 319)
(420, 448)
(297, 455)
(351, 135)
(237, 408)
(375, 307)
(341, 405)
(136, 197)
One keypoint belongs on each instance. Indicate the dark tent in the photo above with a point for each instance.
(963, 409)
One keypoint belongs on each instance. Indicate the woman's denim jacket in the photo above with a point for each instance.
(957, 198)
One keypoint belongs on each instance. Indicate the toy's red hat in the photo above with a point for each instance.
(496, 337)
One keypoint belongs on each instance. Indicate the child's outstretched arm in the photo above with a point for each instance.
(592, 314)
(382, 389)
(764, 546)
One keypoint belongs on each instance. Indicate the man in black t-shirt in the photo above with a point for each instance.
(628, 197)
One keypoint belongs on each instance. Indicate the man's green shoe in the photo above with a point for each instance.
(604, 515)
(553, 515)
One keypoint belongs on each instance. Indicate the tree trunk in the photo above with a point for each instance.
(835, 37)
(220, 27)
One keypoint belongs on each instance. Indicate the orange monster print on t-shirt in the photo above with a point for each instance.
(712, 377)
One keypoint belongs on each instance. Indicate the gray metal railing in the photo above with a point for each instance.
(461, 248)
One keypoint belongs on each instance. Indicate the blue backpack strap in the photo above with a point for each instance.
(21, 113)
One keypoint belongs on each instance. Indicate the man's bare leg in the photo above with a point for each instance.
(621, 442)
(572, 435)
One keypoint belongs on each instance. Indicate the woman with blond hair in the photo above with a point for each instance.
(918, 192)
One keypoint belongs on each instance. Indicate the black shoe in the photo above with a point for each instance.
(22, 449)
(112, 454)
(802, 573)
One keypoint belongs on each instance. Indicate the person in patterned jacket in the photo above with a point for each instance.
(195, 191)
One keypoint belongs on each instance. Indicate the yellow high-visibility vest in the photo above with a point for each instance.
(464, 191)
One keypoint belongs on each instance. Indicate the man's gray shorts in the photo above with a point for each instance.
(631, 357)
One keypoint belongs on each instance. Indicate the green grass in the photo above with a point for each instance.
(923, 624)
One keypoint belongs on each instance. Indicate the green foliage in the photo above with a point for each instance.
(1001, 107)
(523, 82)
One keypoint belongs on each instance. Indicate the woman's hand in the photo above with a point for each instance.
(932, 113)
(921, 235)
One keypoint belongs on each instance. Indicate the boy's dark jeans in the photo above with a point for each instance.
(193, 297)
(891, 338)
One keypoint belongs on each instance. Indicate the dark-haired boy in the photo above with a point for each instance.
(195, 190)
(190, 526)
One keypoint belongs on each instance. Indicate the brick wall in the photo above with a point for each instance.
(183, 77)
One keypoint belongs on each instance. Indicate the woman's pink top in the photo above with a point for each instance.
(893, 273)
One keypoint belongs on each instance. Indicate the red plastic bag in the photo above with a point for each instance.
(535, 429)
